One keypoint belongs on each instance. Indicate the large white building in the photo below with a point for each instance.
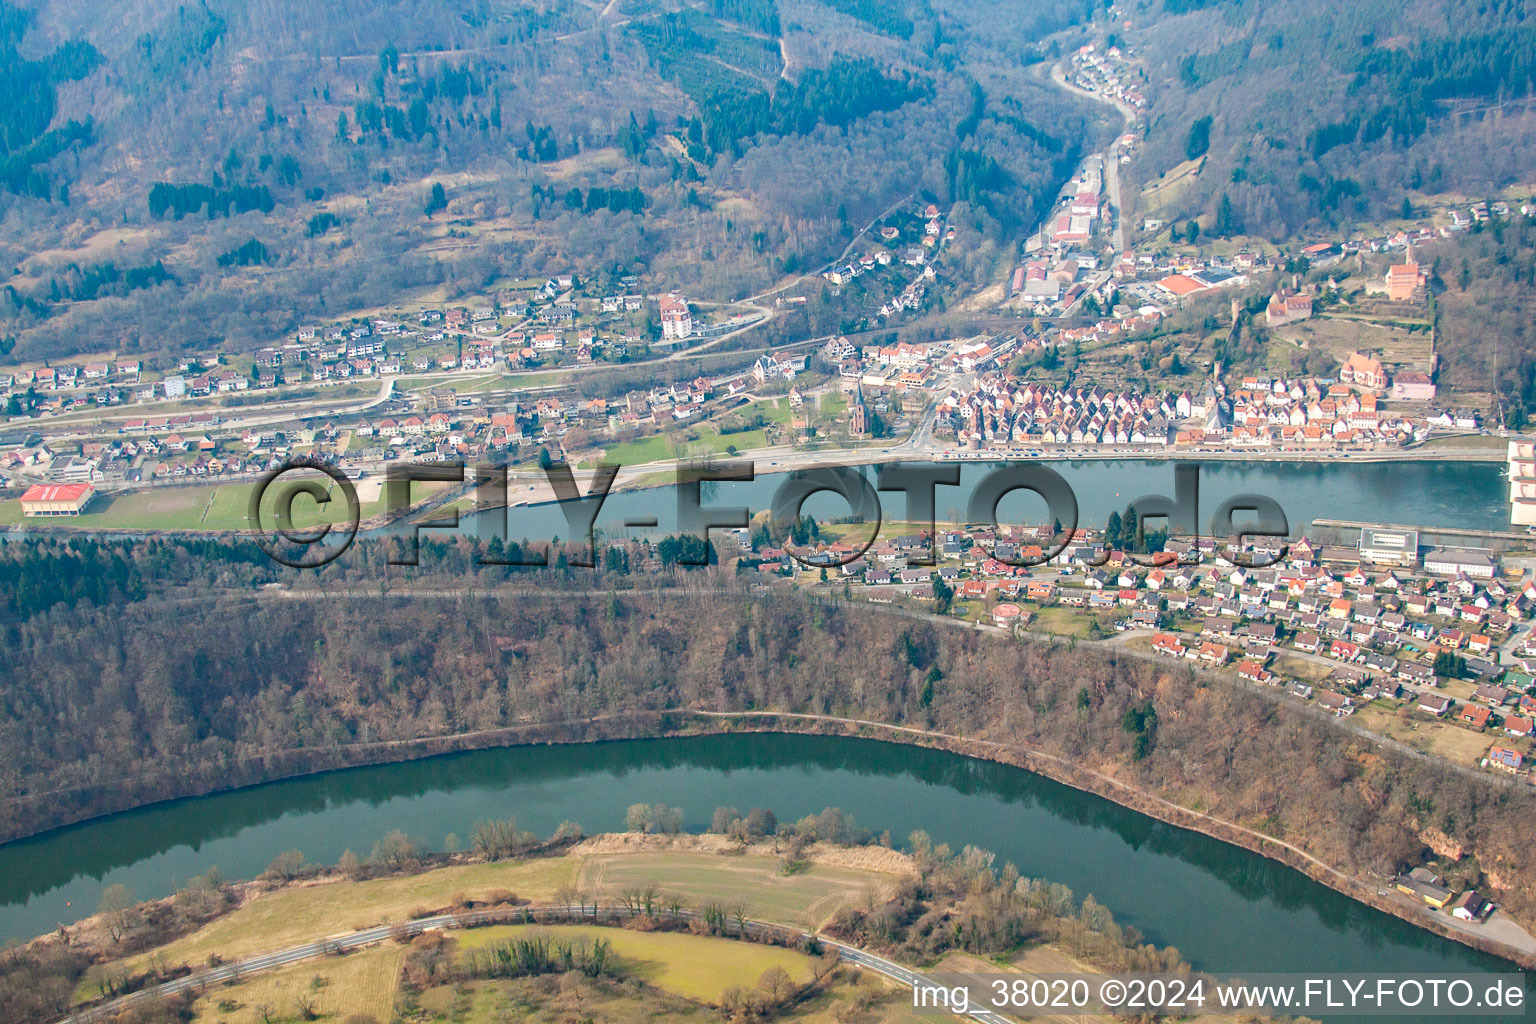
(1389, 547)
(676, 321)
(1455, 561)
(1522, 483)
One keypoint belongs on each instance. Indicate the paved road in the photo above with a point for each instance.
(1112, 161)
(1094, 284)
(688, 353)
(74, 426)
(1112, 183)
(901, 974)
(200, 980)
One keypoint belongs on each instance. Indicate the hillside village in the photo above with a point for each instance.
(976, 407)
(1085, 281)
(561, 323)
(1109, 71)
(189, 418)
(1379, 627)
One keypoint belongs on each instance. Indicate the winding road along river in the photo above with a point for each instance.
(1224, 908)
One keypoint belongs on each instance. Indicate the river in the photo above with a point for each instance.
(1223, 907)
(1465, 495)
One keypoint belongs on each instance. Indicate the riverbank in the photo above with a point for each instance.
(1513, 942)
(635, 485)
(781, 460)
(253, 940)
(668, 899)
(696, 723)
(528, 488)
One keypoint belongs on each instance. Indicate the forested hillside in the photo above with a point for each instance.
(1324, 114)
(126, 691)
(1486, 279)
(215, 173)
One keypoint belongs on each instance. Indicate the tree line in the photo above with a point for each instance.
(254, 684)
(29, 102)
(179, 201)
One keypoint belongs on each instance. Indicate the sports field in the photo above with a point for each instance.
(211, 507)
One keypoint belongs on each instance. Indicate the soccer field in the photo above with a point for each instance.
(211, 507)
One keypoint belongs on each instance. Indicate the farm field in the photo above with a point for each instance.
(697, 870)
(599, 869)
(848, 997)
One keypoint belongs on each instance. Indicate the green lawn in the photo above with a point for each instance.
(658, 448)
(511, 382)
(660, 478)
(491, 381)
(697, 878)
(296, 915)
(774, 409)
(834, 403)
(412, 383)
(692, 966)
(713, 442)
(205, 507)
(535, 1002)
(1489, 441)
(889, 528)
(1063, 621)
(361, 982)
(195, 507)
(637, 452)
